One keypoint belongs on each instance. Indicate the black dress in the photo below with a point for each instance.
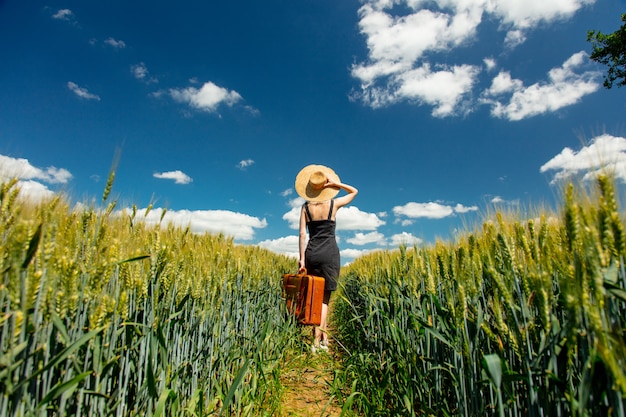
(321, 257)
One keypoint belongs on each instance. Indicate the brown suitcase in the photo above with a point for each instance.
(304, 295)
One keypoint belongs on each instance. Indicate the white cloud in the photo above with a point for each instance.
(490, 64)
(287, 192)
(351, 253)
(397, 43)
(564, 88)
(81, 92)
(430, 210)
(361, 239)
(460, 208)
(405, 238)
(351, 218)
(140, 72)
(34, 191)
(178, 176)
(503, 83)
(29, 176)
(238, 225)
(293, 216)
(288, 245)
(115, 43)
(530, 13)
(604, 152)
(497, 200)
(514, 38)
(443, 89)
(245, 163)
(208, 98)
(22, 169)
(63, 14)
(412, 44)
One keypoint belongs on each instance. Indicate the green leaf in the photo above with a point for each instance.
(32, 247)
(611, 274)
(234, 386)
(150, 379)
(65, 387)
(493, 365)
(615, 291)
(136, 258)
(60, 357)
(160, 407)
(58, 323)
(9, 357)
(196, 402)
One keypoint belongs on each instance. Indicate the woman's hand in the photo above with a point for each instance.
(331, 183)
(301, 267)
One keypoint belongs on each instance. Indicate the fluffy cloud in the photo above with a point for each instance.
(564, 87)
(444, 89)
(530, 13)
(351, 218)
(497, 200)
(63, 14)
(33, 190)
(430, 210)
(245, 163)
(81, 92)
(30, 177)
(352, 254)
(238, 225)
(405, 238)
(140, 72)
(115, 43)
(288, 245)
(22, 169)
(208, 98)
(604, 152)
(178, 176)
(360, 239)
(412, 43)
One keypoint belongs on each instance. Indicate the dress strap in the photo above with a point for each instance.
(330, 212)
(308, 213)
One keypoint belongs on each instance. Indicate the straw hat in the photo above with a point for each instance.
(310, 183)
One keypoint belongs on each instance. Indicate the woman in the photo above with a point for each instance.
(318, 185)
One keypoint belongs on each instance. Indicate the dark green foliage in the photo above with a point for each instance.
(610, 49)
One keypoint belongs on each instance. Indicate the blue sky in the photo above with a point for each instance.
(437, 111)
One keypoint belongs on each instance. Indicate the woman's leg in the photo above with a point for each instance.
(320, 335)
(320, 331)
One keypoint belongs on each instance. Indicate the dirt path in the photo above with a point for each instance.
(307, 386)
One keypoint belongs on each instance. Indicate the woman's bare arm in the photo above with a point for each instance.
(302, 239)
(346, 199)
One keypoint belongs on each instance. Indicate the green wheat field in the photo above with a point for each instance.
(103, 315)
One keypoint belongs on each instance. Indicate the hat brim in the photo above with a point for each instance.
(309, 193)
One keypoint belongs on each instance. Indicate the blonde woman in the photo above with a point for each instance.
(318, 185)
